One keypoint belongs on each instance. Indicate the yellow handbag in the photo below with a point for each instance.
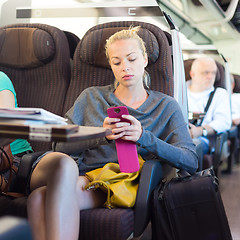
(121, 187)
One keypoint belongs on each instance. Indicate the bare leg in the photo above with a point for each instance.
(89, 199)
(36, 212)
(53, 207)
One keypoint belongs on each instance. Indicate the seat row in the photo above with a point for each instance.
(37, 59)
(50, 68)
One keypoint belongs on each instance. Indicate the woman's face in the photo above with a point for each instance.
(127, 62)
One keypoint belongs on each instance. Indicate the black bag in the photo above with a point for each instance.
(189, 207)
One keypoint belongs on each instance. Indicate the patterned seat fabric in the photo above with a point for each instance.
(105, 224)
(237, 83)
(36, 58)
(73, 41)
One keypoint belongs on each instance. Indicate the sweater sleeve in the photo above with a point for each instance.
(175, 147)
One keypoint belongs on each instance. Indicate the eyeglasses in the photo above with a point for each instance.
(205, 73)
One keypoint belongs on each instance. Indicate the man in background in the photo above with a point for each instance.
(199, 88)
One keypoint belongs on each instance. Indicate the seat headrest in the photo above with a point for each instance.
(237, 83)
(93, 46)
(25, 47)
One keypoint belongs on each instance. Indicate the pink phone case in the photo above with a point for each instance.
(126, 150)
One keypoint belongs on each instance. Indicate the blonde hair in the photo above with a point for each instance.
(130, 33)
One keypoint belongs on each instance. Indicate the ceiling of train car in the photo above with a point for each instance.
(212, 18)
(201, 21)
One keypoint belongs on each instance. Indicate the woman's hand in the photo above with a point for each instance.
(127, 131)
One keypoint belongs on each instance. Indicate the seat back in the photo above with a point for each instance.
(36, 58)
(73, 41)
(236, 88)
(91, 68)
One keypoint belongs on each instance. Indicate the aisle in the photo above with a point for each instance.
(230, 191)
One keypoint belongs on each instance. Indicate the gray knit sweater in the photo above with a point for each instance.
(165, 136)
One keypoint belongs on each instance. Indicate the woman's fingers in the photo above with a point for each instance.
(116, 126)
(130, 130)
(134, 131)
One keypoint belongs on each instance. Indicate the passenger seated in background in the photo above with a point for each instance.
(8, 99)
(157, 127)
(218, 117)
(235, 104)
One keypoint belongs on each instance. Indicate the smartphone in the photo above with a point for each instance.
(126, 150)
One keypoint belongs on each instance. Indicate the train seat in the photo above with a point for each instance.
(73, 41)
(36, 58)
(91, 68)
(236, 89)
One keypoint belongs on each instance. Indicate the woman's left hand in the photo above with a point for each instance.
(124, 130)
(134, 131)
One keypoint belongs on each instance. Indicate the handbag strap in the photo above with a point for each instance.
(9, 160)
(207, 105)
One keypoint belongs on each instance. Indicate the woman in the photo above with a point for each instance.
(18, 147)
(157, 127)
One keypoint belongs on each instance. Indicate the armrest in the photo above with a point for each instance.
(150, 177)
(15, 229)
(220, 140)
(238, 126)
(24, 170)
(26, 164)
(233, 132)
(199, 152)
